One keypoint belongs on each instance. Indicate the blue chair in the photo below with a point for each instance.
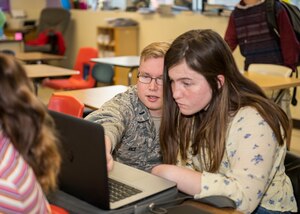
(103, 73)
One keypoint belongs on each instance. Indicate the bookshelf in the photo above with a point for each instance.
(118, 41)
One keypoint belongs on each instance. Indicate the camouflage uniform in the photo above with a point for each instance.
(128, 124)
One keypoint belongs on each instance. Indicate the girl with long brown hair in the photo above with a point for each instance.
(219, 134)
(29, 155)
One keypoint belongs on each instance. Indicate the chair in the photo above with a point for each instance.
(66, 104)
(292, 169)
(103, 73)
(271, 69)
(57, 210)
(53, 23)
(81, 80)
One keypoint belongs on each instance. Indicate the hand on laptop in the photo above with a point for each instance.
(109, 158)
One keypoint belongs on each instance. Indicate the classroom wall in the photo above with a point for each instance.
(153, 27)
(32, 7)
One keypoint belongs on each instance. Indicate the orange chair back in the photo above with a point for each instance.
(83, 58)
(77, 81)
(57, 210)
(66, 104)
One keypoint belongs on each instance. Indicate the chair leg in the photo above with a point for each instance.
(289, 139)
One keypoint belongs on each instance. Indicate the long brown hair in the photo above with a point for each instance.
(26, 122)
(205, 52)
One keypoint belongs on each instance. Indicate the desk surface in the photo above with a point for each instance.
(37, 56)
(42, 70)
(10, 41)
(211, 209)
(24, 29)
(94, 98)
(76, 205)
(122, 61)
(270, 82)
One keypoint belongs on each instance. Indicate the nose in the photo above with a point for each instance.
(152, 85)
(175, 91)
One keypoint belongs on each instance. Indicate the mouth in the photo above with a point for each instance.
(152, 98)
(180, 105)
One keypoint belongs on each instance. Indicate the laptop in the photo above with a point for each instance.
(84, 174)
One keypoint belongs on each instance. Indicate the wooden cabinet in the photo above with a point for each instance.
(118, 41)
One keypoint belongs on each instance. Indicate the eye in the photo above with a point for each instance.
(159, 80)
(146, 78)
(186, 83)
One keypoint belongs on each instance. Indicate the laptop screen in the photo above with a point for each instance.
(82, 174)
(84, 171)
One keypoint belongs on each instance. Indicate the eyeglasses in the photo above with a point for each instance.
(148, 79)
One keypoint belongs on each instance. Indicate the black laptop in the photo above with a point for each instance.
(84, 173)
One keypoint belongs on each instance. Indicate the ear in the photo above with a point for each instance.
(221, 80)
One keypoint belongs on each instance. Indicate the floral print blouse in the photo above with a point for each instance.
(252, 171)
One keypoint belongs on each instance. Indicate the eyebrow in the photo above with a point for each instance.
(182, 79)
(146, 73)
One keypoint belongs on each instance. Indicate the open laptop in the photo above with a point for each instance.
(84, 173)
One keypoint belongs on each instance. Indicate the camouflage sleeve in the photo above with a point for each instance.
(114, 116)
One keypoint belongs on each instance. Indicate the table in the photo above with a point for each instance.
(43, 70)
(75, 205)
(131, 62)
(37, 57)
(211, 209)
(40, 71)
(23, 30)
(11, 44)
(270, 82)
(94, 98)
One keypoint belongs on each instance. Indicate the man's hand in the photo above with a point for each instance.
(109, 158)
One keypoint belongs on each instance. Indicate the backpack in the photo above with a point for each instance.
(294, 16)
(292, 11)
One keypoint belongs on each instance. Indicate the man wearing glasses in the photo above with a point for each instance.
(131, 119)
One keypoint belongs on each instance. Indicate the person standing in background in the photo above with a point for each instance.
(248, 28)
(29, 155)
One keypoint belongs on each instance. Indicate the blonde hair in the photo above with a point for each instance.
(155, 50)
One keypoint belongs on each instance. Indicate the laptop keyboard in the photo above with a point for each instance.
(119, 191)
